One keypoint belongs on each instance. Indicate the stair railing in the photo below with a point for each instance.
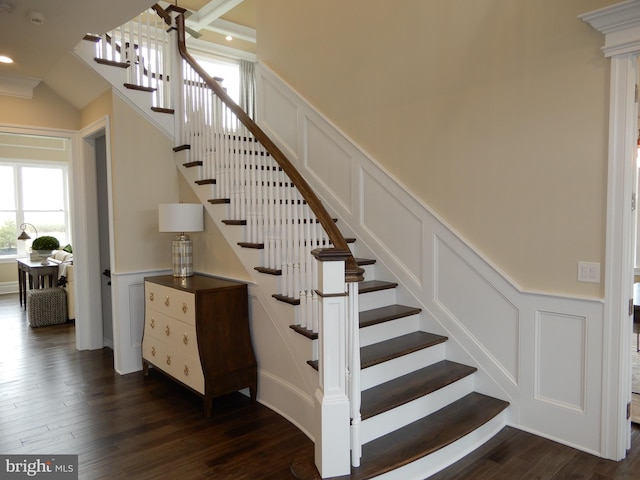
(265, 192)
(142, 47)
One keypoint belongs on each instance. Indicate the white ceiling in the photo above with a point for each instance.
(41, 51)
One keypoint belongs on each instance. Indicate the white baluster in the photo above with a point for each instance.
(354, 372)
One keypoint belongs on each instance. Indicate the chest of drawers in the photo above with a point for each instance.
(197, 331)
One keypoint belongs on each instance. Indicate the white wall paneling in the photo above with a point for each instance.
(127, 290)
(511, 335)
(560, 368)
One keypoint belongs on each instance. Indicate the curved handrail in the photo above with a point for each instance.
(353, 273)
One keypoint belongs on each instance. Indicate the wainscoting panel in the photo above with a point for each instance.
(384, 217)
(542, 353)
(468, 297)
(330, 164)
(127, 290)
(560, 368)
(279, 119)
(136, 313)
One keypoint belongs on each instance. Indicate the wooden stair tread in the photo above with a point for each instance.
(396, 347)
(411, 386)
(367, 286)
(427, 435)
(305, 332)
(365, 261)
(385, 314)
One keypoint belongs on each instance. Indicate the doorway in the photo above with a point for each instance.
(92, 234)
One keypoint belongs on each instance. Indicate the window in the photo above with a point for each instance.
(228, 70)
(33, 193)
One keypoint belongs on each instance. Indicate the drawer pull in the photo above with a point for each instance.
(153, 323)
(185, 339)
(168, 359)
(153, 351)
(167, 331)
(166, 301)
(184, 307)
(151, 296)
(186, 370)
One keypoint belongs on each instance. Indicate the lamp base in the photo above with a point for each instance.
(182, 254)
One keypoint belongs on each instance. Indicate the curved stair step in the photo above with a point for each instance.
(404, 389)
(413, 442)
(427, 435)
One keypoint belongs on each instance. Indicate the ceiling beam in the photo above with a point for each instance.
(214, 10)
(226, 28)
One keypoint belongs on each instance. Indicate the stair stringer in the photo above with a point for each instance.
(138, 100)
(492, 322)
(286, 384)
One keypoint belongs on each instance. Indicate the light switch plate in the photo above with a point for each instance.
(589, 272)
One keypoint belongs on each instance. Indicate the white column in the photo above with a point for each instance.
(332, 430)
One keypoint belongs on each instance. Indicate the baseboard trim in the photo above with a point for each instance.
(8, 287)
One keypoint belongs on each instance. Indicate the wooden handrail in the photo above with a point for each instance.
(353, 273)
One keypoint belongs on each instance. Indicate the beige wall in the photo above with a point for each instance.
(45, 109)
(493, 112)
(143, 175)
(97, 109)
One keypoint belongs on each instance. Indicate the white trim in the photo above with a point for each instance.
(85, 234)
(203, 47)
(8, 287)
(18, 86)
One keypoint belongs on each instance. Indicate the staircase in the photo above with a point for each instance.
(419, 411)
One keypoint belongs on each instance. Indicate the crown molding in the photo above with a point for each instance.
(18, 86)
(620, 24)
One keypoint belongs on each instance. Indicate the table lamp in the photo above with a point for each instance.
(181, 218)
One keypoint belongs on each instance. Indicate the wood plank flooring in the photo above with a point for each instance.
(55, 399)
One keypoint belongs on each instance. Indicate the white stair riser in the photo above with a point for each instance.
(386, 330)
(431, 464)
(387, 422)
(377, 299)
(397, 367)
(369, 270)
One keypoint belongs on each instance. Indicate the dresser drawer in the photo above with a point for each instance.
(155, 351)
(170, 301)
(188, 370)
(179, 365)
(178, 335)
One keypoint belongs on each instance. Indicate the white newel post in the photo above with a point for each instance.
(332, 432)
(176, 81)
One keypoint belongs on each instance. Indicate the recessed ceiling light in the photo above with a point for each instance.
(228, 38)
(5, 59)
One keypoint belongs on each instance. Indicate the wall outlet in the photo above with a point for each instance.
(589, 272)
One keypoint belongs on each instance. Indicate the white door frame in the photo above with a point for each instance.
(87, 274)
(620, 24)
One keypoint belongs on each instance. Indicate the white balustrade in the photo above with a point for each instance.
(261, 193)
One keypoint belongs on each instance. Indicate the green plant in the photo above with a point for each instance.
(45, 242)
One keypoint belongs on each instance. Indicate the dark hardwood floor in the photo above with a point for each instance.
(57, 400)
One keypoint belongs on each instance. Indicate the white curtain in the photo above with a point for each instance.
(248, 88)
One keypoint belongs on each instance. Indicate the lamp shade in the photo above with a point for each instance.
(180, 217)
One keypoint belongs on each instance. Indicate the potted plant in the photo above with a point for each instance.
(42, 247)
